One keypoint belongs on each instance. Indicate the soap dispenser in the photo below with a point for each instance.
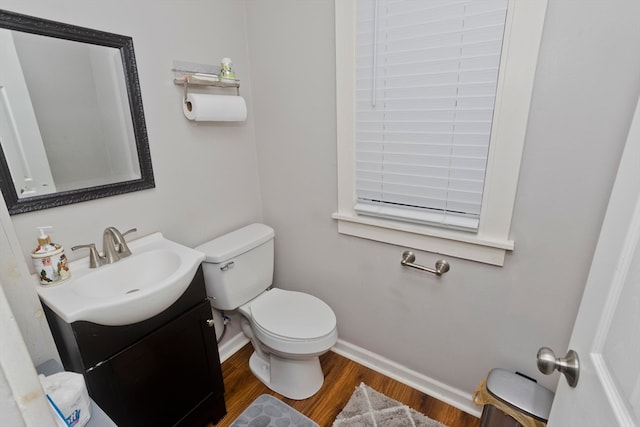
(49, 260)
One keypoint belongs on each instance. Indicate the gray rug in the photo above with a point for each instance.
(370, 408)
(267, 411)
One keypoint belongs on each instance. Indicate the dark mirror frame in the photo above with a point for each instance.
(44, 27)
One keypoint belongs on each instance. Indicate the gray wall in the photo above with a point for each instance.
(476, 317)
(212, 178)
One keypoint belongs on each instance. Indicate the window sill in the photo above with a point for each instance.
(458, 244)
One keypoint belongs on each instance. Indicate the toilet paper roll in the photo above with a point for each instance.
(214, 108)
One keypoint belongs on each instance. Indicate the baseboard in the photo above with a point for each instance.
(231, 346)
(452, 396)
(434, 388)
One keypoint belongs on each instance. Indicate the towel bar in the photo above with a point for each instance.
(408, 259)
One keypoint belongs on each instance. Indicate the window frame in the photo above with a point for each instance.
(523, 32)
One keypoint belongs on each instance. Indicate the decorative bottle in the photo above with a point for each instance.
(49, 260)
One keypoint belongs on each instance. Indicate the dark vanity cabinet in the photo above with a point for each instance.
(164, 371)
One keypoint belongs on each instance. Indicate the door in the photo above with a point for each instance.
(606, 334)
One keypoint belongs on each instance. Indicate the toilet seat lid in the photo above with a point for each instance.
(293, 315)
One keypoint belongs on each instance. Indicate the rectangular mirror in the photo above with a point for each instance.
(72, 124)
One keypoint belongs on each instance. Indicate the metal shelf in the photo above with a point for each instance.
(201, 79)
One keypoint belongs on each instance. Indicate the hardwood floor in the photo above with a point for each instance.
(342, 375)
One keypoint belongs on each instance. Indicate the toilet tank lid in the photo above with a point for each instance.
(236, 242)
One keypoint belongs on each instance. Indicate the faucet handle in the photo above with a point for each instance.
(95, 260)
(123, 248)
(133, 230)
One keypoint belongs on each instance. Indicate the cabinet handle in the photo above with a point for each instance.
(210, 323)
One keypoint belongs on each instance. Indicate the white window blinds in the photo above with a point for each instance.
(426, 78)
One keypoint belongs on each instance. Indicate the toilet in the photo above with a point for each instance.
(288, 330)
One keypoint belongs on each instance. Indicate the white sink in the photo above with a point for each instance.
(128, 291)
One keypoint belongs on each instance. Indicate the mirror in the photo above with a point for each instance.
(72, 125)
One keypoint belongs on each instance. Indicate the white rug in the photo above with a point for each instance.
(370, 408)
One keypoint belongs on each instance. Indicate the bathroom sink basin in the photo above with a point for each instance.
(131, 290)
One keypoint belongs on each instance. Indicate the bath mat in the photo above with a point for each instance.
(370, 408)
(267, 411)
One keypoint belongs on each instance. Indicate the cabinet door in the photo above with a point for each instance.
(171, 377)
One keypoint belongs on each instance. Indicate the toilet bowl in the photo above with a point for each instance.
(291, 323)
(289, 330)
(292, 329)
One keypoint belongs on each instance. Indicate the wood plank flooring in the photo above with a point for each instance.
(342, 375)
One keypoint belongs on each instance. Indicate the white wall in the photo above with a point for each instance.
(206, 174)
(453, 329)
(476, 317)
(22, 401)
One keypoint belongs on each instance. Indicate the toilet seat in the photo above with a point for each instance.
(292, 322)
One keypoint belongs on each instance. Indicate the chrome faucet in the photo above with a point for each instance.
(114, 247)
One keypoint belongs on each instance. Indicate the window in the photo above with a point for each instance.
(426, 78)
(439, 172)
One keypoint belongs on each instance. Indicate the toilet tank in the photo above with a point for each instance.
(238, 266)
